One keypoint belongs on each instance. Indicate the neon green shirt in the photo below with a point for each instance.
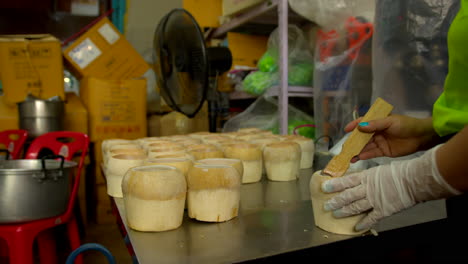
(450, 113)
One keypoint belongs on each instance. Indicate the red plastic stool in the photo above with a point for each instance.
(13, 141)
(20, 237)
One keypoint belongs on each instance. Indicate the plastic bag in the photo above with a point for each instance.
(300, 61)
(264, 113)
(410, 52)
(329, 13)
(342, 76)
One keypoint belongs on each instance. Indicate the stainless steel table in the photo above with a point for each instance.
(274, 218)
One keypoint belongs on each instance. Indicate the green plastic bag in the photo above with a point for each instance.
(258, 82)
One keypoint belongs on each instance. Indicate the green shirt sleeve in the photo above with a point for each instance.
(450, 112)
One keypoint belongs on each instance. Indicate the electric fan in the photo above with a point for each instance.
(184, 65)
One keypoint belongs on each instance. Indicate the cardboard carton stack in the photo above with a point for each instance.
(114, 93)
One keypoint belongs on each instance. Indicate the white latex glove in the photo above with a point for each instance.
(387, 189)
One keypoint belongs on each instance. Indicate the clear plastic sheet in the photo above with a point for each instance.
(410, 59)
(342, 76)
(328, 13)
(264, 113)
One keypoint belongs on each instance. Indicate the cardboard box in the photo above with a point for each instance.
(201, 119)
(154, 126)
(104, 53)
(205, 12)
(8, 116)
(117, 108)
(30, 64)
(76, 115)
(246, 49)
(232, 7)
(176, 123)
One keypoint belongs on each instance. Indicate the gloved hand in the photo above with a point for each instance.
(387, 189)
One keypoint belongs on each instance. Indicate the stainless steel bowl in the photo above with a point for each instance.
(41, 116)
(32, 189)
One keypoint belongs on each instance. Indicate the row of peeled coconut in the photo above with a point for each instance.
(160, 176)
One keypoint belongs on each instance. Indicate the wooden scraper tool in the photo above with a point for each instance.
(339, 164)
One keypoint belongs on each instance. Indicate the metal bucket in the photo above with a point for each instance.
(34, 189)
(41, 116)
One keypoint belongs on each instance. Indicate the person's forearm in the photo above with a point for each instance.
(429, 137)
(452, 160)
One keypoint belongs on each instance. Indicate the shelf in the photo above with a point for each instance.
(240, 95)
(260, 20)
(293, 91)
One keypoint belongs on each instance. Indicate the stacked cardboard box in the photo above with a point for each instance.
(114, 93)
(30, 64)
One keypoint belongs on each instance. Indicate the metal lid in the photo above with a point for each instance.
(27, 166)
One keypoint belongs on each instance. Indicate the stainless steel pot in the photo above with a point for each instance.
(34, 189)
(41, 116)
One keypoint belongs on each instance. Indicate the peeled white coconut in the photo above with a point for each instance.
(144, 139)
(325, 219)
(231, 135)
(249, 130)
(214, 139)
(222, 144)
(126, 145)
(154, 197)
(247, 136)
(179, 137)
(213, 192)
(116, 168)
(107, 143)
(132, 151)
(188, 142)
(182, 164)
(200, 135)
(206, 153)
(262, 142)
(165, 150)
(237, 164)
(307, 150)
(179, 155)
(163, 145)
(282, 161)
(251, 156)
(200, 146)
(153, 143)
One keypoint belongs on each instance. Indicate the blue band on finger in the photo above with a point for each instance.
(363, 124)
